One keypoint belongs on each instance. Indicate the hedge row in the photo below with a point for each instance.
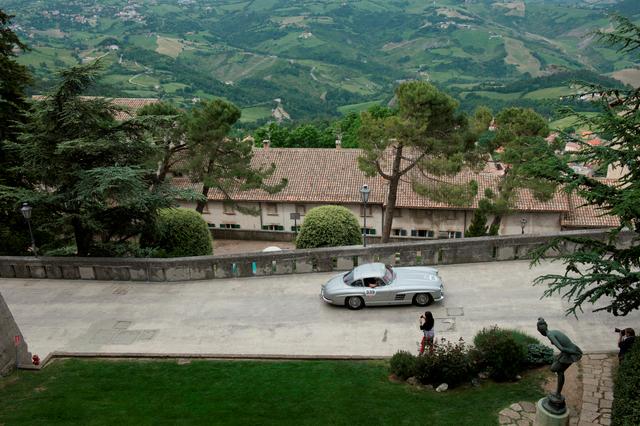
(626, 390)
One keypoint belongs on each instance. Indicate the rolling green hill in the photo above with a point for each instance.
(321, 58)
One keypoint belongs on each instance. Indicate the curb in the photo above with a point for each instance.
(238, 357)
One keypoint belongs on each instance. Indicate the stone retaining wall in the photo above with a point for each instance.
(8, 331)
(427, 252)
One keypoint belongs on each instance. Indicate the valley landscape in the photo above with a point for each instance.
(322, 59)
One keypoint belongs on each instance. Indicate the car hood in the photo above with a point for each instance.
(334, 283)
(418, 275)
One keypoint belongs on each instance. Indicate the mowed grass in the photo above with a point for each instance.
(243, 392)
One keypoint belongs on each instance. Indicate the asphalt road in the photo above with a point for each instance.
(283, 315)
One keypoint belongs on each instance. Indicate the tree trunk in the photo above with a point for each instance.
(495, 224)
(82, 236)
(201, 204)
(393, 194)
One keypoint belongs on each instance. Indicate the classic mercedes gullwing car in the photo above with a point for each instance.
(379, 284)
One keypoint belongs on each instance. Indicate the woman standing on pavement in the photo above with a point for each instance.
(426, 325)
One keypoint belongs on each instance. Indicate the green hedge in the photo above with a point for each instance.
(626, 390)
(179, 232)
(329, 226)
(501, 352)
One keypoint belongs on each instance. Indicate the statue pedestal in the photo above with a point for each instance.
(546, 418)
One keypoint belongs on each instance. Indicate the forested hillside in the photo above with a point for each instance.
(322, 58)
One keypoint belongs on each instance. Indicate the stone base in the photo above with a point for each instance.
(546, 418)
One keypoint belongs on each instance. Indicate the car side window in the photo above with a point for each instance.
(357, 283)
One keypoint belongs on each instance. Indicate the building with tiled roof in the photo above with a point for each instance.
(132, 105)
(331, 176)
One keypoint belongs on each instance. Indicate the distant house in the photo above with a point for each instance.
(131, 104)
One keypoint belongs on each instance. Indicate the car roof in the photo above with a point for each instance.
(369, 270)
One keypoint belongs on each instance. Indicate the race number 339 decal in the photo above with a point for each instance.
(369, 292)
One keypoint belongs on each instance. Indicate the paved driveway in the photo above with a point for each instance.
(283, 315)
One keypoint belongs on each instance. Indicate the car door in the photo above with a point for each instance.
(377, 292)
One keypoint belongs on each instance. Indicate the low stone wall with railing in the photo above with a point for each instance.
(428, 252)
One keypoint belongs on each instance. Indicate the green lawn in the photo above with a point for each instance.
(242, 393)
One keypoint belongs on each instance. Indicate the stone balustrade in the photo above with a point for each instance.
(424, 252)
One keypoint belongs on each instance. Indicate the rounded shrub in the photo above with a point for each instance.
(626, 390)
(500, 353)
(179, 232)
(538, 354)
(448, 363)
(329, 226)
(402, 364)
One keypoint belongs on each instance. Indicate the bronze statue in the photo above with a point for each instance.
(569, 353)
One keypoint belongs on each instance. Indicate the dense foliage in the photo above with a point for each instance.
(626, 390)
(499, 353)
(403, 364)
(601, 269)
(84, 170)
(448, 363)
(179, 233)
(329, 226)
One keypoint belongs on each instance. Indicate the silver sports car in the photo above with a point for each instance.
(380, 284)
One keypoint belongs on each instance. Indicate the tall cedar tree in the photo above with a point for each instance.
(425, 133)
(221, 162)
(85, 168)
(602, 269)
(14, 78)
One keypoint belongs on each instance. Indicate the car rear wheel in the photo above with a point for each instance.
(354, 303)
(422, 299)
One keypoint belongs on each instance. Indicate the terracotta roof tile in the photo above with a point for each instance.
(317, 175)
(132, 104)
(582, 215)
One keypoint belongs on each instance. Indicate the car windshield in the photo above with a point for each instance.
(348, 278)
(388, 275)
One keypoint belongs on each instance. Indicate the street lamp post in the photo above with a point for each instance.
(26, 213)
(364, 192)
(523, 223)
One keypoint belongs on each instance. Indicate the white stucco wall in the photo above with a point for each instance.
(537, 223)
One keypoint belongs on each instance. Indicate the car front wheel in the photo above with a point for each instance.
(354, 303)
(423, 299)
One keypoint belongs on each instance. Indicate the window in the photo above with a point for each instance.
(272, 209)
(357, 283)
(399, 232)
(295, 228)
(301, 209)
(454, 234)
(369, 214)
(368, 231)
(397, 212)
(422, 233)
(228, 208)
(229, 226)
(211, 225)
(273, 227)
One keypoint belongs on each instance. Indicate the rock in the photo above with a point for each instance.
(510, 413)
(483, 375)
(518, 377)
(413, 381)
(475, 382)
(442, 388)
(516, 407)
(528, 407)
(428, 387)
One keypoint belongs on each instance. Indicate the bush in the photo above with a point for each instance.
(626, 390)
(329, 226)
(538, 354)
(500, 353)
(179, 232)
(449, 363)
(403, 364)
